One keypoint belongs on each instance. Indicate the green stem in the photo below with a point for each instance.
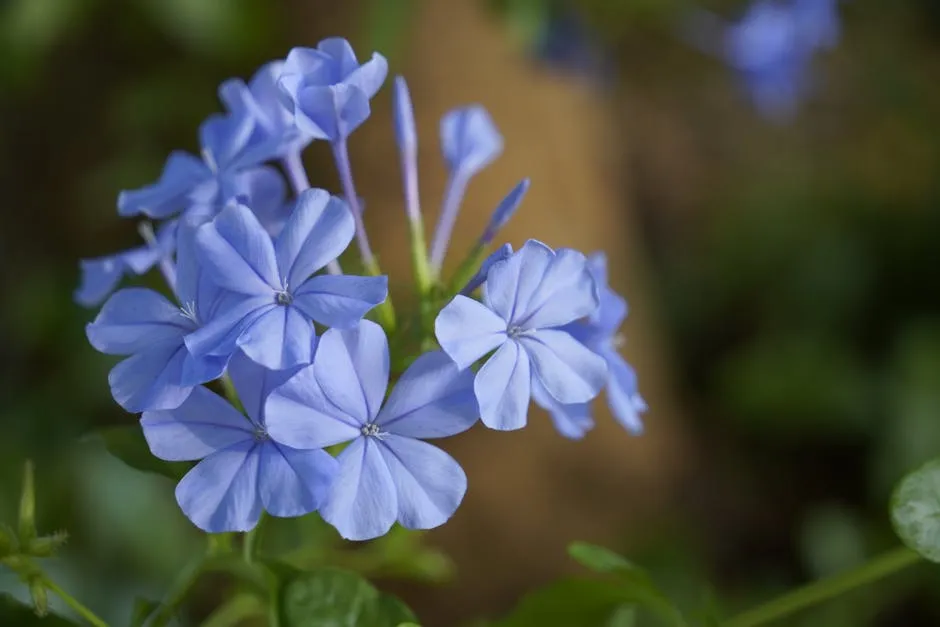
(251, 541)
(385, 311)
(235, 611)
(419, 258)
(825, 589)
(74, 603)
(177, 594)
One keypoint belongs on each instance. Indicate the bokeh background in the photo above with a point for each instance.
(782, 276)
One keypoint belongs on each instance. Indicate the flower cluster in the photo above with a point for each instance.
(771, 47)
(261, 309)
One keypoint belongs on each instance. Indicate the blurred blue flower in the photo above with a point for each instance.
(387, 472)
(503, 252)
(101, 275)
(504, 211)
(771, 47)
(273, 295)
(227, 153)
(470, 141)
(528, 298)
(262, 101)
(328, 90)
(243, 469)
(599, 332)
(150, 330)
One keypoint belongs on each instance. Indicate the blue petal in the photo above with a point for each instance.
(469, 139)
(220, 335)
(151, 379)
(352, 369)
(566, 292)
(293, 482)
(432, 399)
(99, 278)
(238, 253)
(429, 483)
(370, 76)
(181, 174)
(362, 503)
(341, 54)
(202, 425)
(224, 137)
(221, 493)
(340, 300)
(467, 330)
(501, 253)
(570, 372)
(331, 112)
(278, 339)
(135, 319)
(503, 387)
(265, 193)
(197, 370)
(317, 232)
(254, 383)
(298, 414)
(510, 284)
(311, 66)
(625, 401)
(572, 421)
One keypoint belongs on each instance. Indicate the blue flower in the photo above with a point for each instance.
(262, 101)
(599, 332)
(772, 46)
(273, 296)
(244, 468)
(150, 330)
(527, 300)
(99, 276)
(469, 142)
(387, 472)
(227, 151)
(328, 90)
(504, 212)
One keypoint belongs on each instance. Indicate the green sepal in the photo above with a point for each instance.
(915, 510)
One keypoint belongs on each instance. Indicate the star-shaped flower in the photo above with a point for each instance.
(159, 372)
(227, 152)
(527, 300)
(244, 469)
(274, 297)
(387, 472)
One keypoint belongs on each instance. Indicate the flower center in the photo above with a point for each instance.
(261, 434)
(370, 430)
(283, 298)
(188, 311)
(515, 332)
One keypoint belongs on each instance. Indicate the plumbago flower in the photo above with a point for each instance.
(771, 46)
(527, 299)
(150, 330)
(387, 472)
(599, 332)
(271, 320)
(241, 256)
(244, 469)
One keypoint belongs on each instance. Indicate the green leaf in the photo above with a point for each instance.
(602, 560)
(336, 598)
(127, 443)
(915, 510)
(27, 518)
(142, 610)
(569, 602)
(638, 587)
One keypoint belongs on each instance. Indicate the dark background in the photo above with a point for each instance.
(792, 269)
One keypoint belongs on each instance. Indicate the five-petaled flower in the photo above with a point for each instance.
(387, 472)
(276, 298)
(160, 372)
(244, 468)
(527, 300)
